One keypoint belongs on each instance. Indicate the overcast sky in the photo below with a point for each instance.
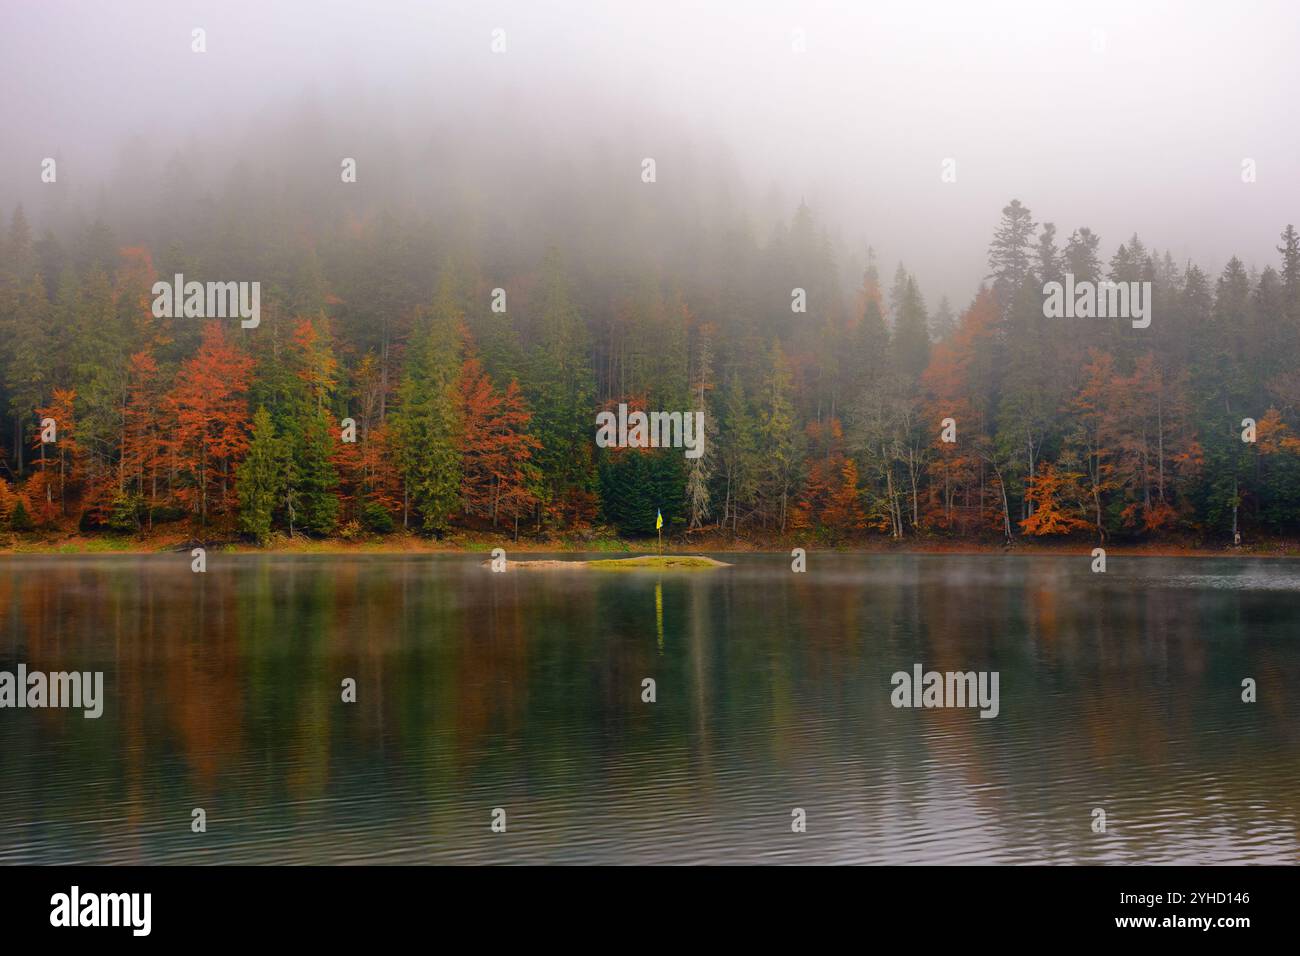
(1118, 115)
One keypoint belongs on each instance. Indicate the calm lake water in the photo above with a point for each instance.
(523, 691)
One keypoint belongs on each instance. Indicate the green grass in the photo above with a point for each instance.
(673, 562)
(599, 545)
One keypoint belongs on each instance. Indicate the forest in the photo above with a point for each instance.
(423, 374)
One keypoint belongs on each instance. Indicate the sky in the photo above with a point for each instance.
(1121, 116)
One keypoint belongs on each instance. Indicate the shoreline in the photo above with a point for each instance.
(484, 544)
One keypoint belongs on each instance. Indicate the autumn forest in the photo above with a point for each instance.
(411, 375)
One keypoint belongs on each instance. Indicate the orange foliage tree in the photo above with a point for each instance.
(496, 449)
(58, 462)
(831, 502)
(1057, 498)
(208, 421)
(962, 496)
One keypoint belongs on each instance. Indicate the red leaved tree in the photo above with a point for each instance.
(58, 462)
(208, 418)
(1059, 503)
(496, 449)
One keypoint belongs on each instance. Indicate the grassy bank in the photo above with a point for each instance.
(402, 543)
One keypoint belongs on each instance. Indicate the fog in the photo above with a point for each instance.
(1119, 116)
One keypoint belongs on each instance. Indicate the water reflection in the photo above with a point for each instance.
(523, 690)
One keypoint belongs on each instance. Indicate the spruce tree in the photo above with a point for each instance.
(778, 435)
(426, 421)
(259, 478)
(911, 340)
(737, 452)
(700, 470)
(561, 390)
(1009, 252)
(27, 374)
(316, 477)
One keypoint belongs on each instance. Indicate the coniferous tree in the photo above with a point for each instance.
(1010, 252)
(26, 377)
(737, 453)
(427, 424)
(1080, 258)
(779, 440)
(700, 469)
(259, 478)
(561, 391)
(911, 340)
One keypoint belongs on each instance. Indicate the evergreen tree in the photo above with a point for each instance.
(316, 477)
(737, 453)
(1080, 256)
(911, 340)
(779, 440)
(869, 348)
(561, 391)
(427, 424)
(28, 370)
(1047, 256)
(700, 470)
(942, 323)
(1009, 252)
(259, 478)
(1290, 250)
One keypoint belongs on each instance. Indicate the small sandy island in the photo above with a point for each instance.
(668, 562)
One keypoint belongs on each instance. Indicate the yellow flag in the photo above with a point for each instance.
(659, 519)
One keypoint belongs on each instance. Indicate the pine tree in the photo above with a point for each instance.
(1290, 250)
(911, 340)
(259, 478)
(27, 374)
(869, 347)
(700, 470)
(20, 519)
(1047, 256)
(778, 437)
(561, 391)
(141, 465)
(1009, 252)
(315, 477)
(426, 423)
(737, 453)
(942, 323)
(1080, 257)
(99, 357)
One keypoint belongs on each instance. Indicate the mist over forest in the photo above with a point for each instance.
(841, 244)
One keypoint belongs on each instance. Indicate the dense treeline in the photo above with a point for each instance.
(824, 423)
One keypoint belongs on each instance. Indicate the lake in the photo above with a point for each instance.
(1119, 692)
